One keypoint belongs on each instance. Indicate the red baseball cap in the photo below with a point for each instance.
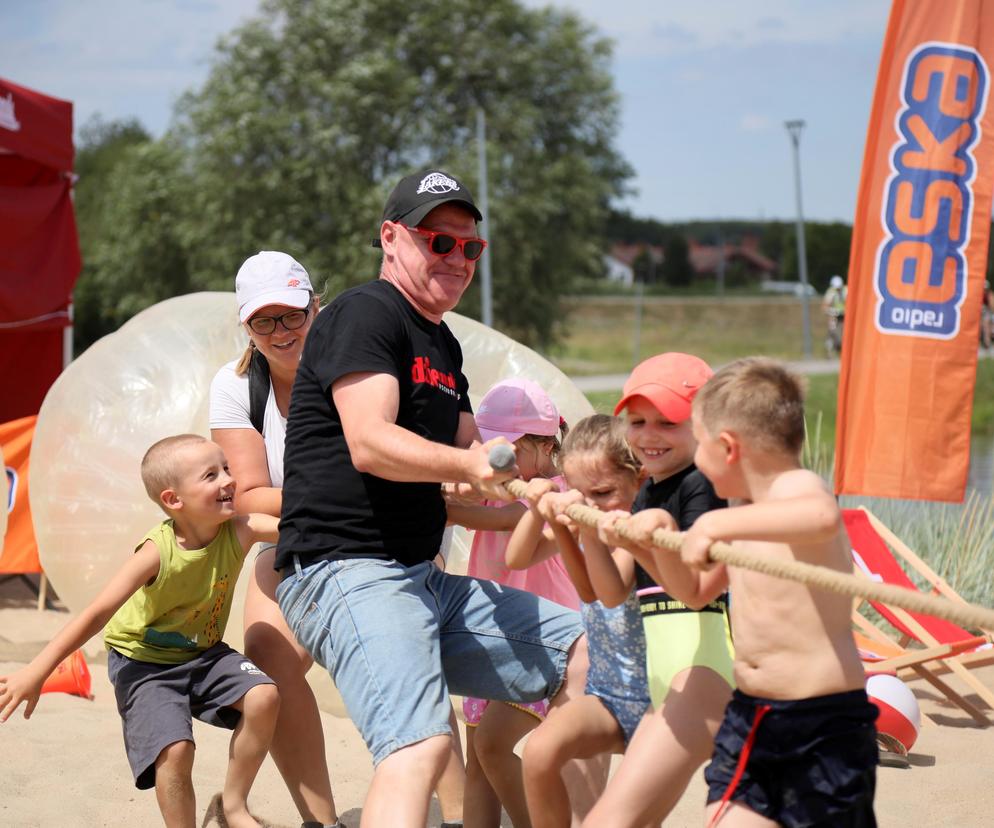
(669, 381)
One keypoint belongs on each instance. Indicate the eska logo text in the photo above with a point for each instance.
(921, 266)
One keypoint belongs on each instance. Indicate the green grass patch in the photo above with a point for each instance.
(603, 334)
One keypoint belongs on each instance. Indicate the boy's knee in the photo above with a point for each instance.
(263, 700)
(176, 758)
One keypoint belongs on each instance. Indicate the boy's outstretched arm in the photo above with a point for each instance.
(799, 509)
(25, 684)
(256, 527)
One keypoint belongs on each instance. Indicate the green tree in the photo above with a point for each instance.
(139, 256)
(102, 148)
(677, 270)
(313, 110)
(827, 247)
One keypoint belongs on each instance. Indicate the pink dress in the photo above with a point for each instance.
(548, 579)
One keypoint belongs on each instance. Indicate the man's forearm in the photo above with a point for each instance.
(394, 453)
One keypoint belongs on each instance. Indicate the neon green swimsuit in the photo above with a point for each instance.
(678, 637)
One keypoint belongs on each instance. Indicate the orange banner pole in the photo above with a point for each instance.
(919, 253)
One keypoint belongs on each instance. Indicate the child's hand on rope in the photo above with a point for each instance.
(461, 494)
(553, 506)
(607, 531)
(696, 543)
(641, 525)
(537, 488)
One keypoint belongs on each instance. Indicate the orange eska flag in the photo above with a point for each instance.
(919, 252)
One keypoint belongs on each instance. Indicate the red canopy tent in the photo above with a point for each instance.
(39, 250)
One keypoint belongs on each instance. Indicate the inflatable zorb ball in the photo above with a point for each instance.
(900, 717)
(151, 379)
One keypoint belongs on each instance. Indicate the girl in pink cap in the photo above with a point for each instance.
(521, 411)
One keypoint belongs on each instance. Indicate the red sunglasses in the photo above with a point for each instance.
(442, 244)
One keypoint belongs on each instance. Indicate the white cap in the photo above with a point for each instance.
(835, 281)
(271, 278)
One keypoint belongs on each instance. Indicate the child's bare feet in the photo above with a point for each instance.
(238, 816)
(215, 815)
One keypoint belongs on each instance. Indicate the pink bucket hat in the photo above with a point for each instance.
(669, 381)
(515, 407)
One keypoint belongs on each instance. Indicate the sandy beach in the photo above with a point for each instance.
(66, 765)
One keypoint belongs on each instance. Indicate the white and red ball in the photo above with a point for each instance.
(900, 716)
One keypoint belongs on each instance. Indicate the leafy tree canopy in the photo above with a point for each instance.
(314, 110)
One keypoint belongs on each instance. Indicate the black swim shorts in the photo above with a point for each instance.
(812, 762)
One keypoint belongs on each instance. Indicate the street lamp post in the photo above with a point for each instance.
(794, 129)
(486, 285)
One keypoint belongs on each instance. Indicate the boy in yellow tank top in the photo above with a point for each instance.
(165, 612)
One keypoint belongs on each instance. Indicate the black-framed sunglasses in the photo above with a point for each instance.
(291, 320)
(442, 244)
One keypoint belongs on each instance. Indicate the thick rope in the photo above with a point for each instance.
(967, 615)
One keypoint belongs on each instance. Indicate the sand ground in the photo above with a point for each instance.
(66, 765)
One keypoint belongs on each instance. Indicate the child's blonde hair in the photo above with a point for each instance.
(160, 470)
(758, 398)
(605, 435)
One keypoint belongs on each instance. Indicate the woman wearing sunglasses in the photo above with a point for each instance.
(276, 306)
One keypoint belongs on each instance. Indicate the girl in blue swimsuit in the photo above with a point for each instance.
(601, 471)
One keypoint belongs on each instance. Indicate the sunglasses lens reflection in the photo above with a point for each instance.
(442, 245)
(472, 250)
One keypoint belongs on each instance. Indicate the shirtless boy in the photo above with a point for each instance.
(797, 744)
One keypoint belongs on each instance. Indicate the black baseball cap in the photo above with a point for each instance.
(415, 196)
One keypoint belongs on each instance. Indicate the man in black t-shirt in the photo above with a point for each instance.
(379, 417)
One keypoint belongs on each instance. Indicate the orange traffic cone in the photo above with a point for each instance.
(71, 676)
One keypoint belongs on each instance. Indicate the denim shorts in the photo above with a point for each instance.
(398, 639)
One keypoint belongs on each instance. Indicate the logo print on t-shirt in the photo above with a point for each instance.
(437, 183)
(423, 373)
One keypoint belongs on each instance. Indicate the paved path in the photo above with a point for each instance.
(614, 382)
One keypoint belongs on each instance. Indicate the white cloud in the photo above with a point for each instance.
(644, 28)
(752, 122)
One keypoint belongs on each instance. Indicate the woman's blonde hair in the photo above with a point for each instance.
(605, 435)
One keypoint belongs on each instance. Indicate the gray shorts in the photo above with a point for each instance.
(157, 701)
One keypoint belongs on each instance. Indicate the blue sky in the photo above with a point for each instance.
(705, 87)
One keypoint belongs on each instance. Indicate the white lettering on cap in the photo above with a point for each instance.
(437, 183)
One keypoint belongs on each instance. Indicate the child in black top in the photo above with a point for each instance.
(689, 652)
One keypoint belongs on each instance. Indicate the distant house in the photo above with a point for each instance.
(619, 263)
(706, 259)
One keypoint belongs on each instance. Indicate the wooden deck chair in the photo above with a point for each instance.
(874, 547)
(881, 655)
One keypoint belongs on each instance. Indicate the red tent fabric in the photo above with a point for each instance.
(39, 249)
